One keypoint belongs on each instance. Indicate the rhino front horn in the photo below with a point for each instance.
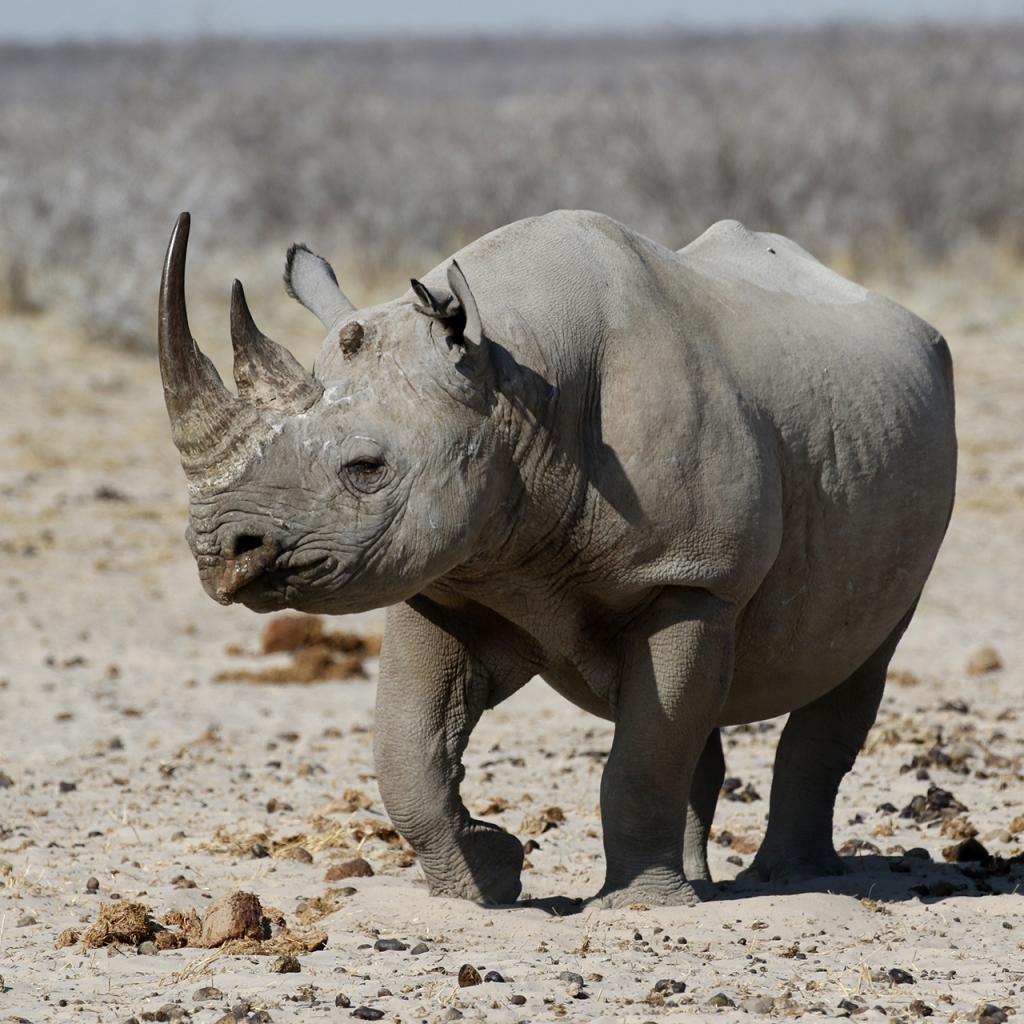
(266, 373)
(207, 421)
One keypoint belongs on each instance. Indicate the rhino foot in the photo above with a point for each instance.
(794, 868)
(647, 894)
(488, 869)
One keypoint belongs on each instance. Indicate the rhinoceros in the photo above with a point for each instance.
(687, 489)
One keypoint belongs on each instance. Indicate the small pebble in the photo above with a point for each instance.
(92, 885)
(342, 1000)
(518, 1000)
(494, 976)
(572, 978)
(286, 965)
(419, 949)
(469, 976)
(67, 787)
(898, 976)
(201, 995)
(758, 1004)
(367, 1013)
(390, 945)
(720, 999)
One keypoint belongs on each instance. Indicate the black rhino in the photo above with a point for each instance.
(687, 489)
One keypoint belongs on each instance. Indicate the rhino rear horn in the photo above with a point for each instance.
(310, 279)
(207, 421)
(266, 373)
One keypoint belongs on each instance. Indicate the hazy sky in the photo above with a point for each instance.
(56, 19)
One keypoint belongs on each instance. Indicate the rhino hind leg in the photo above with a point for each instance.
(704, 789)
(818, 747)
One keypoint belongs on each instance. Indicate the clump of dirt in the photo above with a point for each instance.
(355, 868)
(188, 924)
(238, 916)
(124, 922)
(293, 632)
(317, 655)
(328, 835)
(543, 821)
(936, 805)
(318, 907)
(983, 661)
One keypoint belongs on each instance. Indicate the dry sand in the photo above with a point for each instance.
(125, 762)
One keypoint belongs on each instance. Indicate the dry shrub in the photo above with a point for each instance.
(871, 142)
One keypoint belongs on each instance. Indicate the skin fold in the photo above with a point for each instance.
(688, 489)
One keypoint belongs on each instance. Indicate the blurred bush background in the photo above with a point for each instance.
(869, 146)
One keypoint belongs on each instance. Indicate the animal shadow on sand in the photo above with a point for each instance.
(892, 879)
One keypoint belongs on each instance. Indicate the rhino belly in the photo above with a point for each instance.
(814, 621)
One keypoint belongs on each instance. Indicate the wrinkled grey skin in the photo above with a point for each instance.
(688, 489)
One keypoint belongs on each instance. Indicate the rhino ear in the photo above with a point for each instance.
(310, 279)
(472, 330)
(456, 311)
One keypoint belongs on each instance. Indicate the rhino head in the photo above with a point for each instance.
(343, 490)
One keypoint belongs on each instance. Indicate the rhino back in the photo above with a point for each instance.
(858, 392)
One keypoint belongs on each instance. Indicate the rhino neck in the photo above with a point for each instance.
(541, 500)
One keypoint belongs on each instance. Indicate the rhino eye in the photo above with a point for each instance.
(366, 474)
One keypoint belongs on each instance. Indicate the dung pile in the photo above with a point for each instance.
(317, 655)
(234, 924)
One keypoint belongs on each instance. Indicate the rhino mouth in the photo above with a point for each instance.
(265, 581)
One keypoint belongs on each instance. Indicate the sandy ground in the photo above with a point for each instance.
(125, 762)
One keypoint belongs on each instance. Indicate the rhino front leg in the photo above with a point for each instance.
(430, 696)
(707, 784)
(677, 667)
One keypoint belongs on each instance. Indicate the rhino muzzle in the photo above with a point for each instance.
(209, 425)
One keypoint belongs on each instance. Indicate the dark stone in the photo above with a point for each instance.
(469, 976)
(669, 985)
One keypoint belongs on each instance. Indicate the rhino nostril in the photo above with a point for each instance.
(247, 542)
